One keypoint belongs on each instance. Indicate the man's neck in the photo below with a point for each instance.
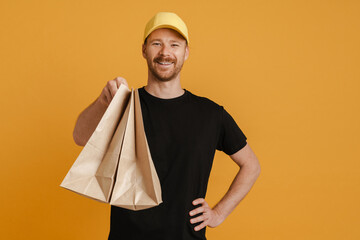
(165, 90)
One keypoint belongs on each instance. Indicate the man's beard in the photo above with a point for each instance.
(158, 76)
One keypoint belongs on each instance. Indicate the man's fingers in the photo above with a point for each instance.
(198, 219)
(112, 88)
(198, 201)
(107, 96)
(197, 211)
(200, 226)
(203, 217)
(119, 81)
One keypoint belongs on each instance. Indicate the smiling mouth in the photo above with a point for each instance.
(164, 63)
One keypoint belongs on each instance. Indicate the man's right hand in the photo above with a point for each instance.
(110, 89)
(90, 117)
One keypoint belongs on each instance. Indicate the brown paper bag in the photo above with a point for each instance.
(115, 165)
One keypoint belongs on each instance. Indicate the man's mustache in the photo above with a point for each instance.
(161, 59)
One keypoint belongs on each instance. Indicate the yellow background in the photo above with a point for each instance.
(287, 71)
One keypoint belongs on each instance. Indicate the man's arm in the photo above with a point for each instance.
(90, 117)
(241, 185)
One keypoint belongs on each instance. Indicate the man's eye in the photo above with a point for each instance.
(156, 43)
(175, 45)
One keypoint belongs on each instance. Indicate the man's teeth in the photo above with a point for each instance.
(165, 63)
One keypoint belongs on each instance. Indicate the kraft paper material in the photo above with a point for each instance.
(115, 166)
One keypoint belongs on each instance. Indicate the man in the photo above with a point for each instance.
(183, 131)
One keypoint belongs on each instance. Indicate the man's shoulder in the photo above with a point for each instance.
(204, 101)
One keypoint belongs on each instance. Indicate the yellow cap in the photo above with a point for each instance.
(166, 20)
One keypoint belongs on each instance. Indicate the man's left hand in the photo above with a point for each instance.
(210, 217)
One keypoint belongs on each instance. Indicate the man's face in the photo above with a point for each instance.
(165, 52)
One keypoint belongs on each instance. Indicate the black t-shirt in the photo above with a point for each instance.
(183, 134)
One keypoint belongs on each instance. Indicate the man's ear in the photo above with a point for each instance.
(187, 51)
(144, 50)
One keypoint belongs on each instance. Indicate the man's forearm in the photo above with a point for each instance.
(240, 186)
(87, 122)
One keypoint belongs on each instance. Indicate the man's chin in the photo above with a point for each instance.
(165, 78)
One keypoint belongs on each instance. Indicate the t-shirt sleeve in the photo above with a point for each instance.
(231, 138)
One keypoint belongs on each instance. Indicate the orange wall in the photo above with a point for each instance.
(287, 71)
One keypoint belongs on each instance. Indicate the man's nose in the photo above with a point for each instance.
(165, 50)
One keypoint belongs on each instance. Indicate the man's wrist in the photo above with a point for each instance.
(220, 214)
(101, 103)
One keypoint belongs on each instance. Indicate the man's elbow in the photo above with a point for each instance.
(258, 170)
(255, 168)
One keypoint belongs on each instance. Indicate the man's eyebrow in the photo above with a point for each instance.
(157, 39)
(175, 41)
